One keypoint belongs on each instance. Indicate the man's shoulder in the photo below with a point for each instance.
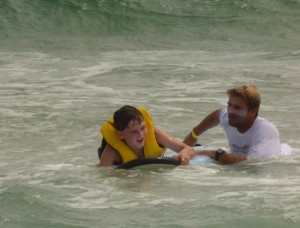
(263, 122)
(223, 116)
(265, 127)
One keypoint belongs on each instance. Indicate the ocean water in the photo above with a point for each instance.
(67, 65)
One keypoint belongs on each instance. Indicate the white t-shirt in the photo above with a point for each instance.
(260, 141)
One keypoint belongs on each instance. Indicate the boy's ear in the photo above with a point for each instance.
(120, 134)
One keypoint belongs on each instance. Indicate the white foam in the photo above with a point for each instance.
(286, 149)
(56, 167)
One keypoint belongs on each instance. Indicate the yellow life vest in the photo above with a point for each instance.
(151, 148)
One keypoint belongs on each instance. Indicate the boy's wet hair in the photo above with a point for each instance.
(124, 115)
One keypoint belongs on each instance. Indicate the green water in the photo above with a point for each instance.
(66, 66)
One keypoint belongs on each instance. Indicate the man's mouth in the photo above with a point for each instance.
(232, 117)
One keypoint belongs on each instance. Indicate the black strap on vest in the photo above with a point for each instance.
(102, 147)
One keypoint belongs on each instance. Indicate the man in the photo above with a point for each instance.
(248, 135)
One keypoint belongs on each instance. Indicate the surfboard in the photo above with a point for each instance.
(167, 161)
(156, 162)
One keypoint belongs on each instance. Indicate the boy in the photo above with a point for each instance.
(130, 135)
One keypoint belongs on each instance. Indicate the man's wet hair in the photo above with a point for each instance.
(248, 93)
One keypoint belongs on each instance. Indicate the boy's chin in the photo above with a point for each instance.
(141, 146)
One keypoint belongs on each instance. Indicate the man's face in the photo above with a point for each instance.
(239, 116)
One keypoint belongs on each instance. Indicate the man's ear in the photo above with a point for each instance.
(120, 134)
(256, 112)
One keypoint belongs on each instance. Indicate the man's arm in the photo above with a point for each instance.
(210, 121)
(223, 158)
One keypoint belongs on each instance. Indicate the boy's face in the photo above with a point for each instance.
(134, 135)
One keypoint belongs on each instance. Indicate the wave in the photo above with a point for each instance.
(104, 25)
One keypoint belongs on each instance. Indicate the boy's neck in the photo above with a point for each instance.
(139, 153)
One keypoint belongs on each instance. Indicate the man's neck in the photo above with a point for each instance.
(246, 127)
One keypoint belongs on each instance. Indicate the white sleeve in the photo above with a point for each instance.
(223, 118)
